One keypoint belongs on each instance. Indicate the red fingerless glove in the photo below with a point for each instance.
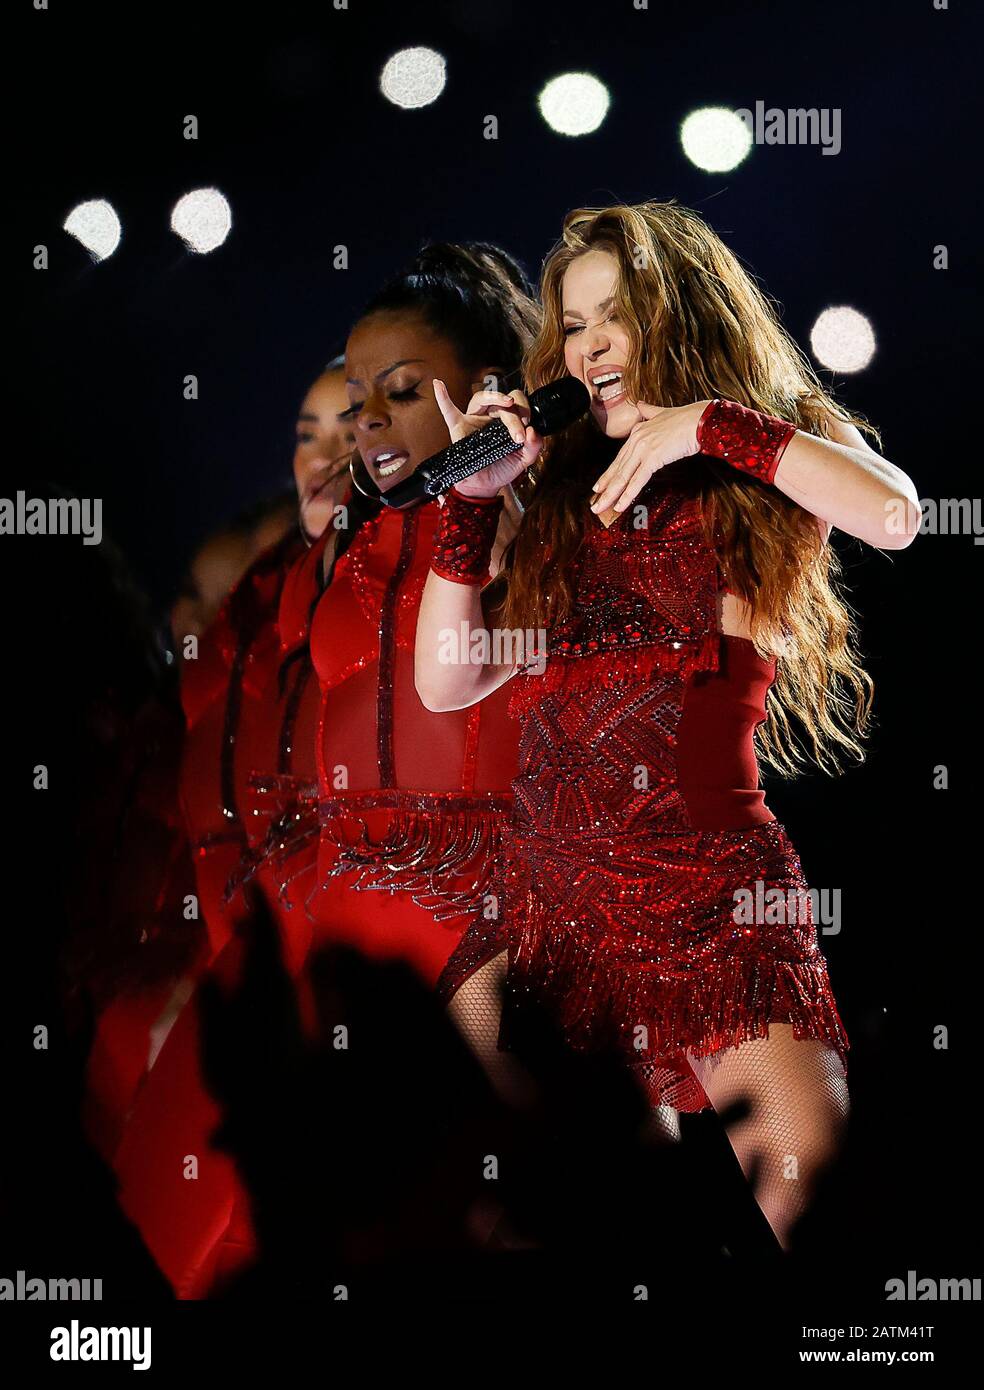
(465, 535)
(745, 438)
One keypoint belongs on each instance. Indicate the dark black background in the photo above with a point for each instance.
(294, 131)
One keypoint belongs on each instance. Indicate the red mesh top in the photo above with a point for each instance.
(375, 733)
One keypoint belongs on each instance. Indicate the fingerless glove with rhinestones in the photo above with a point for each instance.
(745, 438)
(464, 539)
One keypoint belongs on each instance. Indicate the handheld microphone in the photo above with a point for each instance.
(553, 407)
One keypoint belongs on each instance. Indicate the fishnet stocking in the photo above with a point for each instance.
(797, 1098)
(476, 1009)
(795, 1090)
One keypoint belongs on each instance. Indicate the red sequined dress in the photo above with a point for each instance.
(411, 805)
(640, 834)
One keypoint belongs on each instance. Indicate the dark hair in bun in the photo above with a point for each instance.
(475, 295)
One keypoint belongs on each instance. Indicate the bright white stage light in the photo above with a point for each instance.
(715, 139)
(202, 219)
(413, 77)
(843, 339)
(574, 104)
(97, 226)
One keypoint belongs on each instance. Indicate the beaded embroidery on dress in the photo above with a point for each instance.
(619, 916)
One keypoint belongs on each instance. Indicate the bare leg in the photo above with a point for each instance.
(798, 1102)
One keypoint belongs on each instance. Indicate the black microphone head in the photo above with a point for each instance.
(558, 404)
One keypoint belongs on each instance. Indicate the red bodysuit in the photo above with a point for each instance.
(241, 718)
(640, 829)
(411, 804)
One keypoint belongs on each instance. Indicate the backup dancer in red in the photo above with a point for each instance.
(674, 558)
(250, 717)
(189, 801)
(411, 804)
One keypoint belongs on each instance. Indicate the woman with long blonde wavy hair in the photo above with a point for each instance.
(677, 617)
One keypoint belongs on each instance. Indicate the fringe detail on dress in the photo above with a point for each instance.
(598, 1002)
(615, 667)
(294, 826)
(668, 1082)
(427, 854)
(485, 937)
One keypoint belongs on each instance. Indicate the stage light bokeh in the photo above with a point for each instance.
(715, 139)
(202, 219)
(843, 339)
(96, 225)
(575, 103)
(413, 77)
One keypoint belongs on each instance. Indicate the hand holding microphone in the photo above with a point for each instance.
(514, 412)
(493, 441)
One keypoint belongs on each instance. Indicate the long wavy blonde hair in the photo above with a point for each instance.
(700, 328)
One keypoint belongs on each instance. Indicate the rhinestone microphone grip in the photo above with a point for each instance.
(470, 455)
(552, 407)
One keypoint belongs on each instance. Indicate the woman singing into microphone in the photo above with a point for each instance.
(675, 556)
(411, 805)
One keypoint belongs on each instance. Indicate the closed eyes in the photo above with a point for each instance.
(576, 327)
(409, 394)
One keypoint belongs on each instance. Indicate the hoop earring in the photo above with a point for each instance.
(376, 496)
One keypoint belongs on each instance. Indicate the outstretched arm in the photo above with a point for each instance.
(841, 479)
(843, 482)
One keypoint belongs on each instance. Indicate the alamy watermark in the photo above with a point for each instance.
(83, 1343)
(914, 1288)
(498, 646)
(770, 125)
(760, 906)
(943, 516)
(31, 1289)
(52, 516)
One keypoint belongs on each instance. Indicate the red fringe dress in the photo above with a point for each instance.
(639, 818)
